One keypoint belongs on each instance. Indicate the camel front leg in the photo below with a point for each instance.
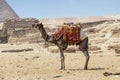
(87, 59)
(62, 57)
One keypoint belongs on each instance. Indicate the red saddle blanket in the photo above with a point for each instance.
(69, 33)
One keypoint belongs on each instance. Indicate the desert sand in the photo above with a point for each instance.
(25, 61)
(44, 63)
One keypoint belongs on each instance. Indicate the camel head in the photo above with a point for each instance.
(37, 25)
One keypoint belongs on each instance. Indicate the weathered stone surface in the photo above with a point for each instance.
(19, 23)
(117, 51)
(94, 48)
(20, 30)
(114, 47)
(3, 37)
(6, 11)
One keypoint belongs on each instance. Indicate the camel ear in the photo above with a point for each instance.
(41, 24)
(33, 25)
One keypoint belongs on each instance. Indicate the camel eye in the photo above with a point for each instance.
(37, 25)
(33, 25)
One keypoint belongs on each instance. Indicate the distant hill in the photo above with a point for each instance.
(82, 19)
(55, 22)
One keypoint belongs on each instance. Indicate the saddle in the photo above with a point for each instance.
(69, 33)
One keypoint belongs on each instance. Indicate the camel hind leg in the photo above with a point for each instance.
(83, 46)
(87, 59)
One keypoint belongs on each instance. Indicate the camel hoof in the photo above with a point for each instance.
(85, 68)
(62, 68)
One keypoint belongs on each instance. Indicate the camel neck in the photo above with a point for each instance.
(44, 33)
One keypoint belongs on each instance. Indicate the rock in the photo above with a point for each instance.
(53, 49)
(94, 48)
(2, 78)
(26, 59)
(117, 51)
(117, 46)
(56, 76)
(36, 57)
(109, 74)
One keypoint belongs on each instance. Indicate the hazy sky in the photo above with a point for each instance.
(64, 8)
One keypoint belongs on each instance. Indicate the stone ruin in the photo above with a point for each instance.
(3, 37)
(20, 30)
(19, 23)
(6, 11)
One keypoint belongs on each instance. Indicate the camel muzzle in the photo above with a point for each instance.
(33, 25)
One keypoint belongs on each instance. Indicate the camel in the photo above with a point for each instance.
(62, 45)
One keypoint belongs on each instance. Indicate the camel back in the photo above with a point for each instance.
(70, 33)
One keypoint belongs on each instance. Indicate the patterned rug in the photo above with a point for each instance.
(69, 33)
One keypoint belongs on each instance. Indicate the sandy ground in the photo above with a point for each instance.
(42, 65)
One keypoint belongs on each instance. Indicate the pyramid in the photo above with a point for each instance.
(6, 11)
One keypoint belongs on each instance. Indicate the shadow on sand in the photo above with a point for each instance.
(86, 70)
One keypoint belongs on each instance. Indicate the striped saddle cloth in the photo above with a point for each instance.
(68, 33)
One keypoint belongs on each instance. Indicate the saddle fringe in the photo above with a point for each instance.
(70, 33)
